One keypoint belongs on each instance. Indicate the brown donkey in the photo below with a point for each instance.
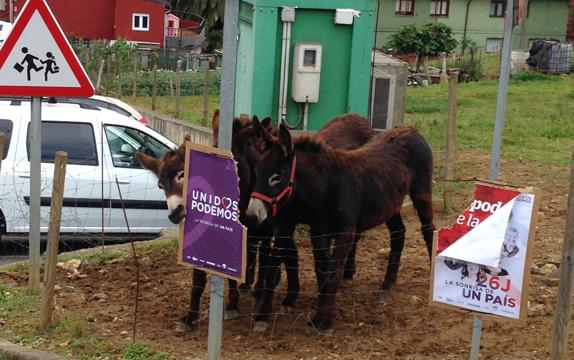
(340, 193)
(347, 131)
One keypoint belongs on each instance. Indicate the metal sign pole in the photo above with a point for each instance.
(227, 104)
(35, 191)
(497, 137)
(502, 90)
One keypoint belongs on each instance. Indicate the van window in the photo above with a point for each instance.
(125, 141)
(6, 128)
(77, 139)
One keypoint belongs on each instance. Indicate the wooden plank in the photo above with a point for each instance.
(449, 157)
(53, 238)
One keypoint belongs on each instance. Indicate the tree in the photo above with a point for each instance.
(210, 10)
(432, 39)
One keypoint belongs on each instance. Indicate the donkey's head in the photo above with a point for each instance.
(170, 174)
(275, 173)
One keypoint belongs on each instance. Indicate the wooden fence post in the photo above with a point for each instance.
(135, 79)
(100, 71)
(108, 74)
(120, 77)
(177, 87)
(443, 75)
(154, 88)
(559, 349)
(205, 65)
(53, 238)
(450, 140)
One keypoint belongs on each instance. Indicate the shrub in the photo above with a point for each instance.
(532, 76)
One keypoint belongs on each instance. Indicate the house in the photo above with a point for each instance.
(184, 33)
(481, 20)
(138, 21)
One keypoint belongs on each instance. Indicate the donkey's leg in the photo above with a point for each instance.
(422, 201)
(198, 286)
(232, 307)
(350, 266)
(321, 249)
(251, 264)
(264, 253)
(397, 230)
(291, 260)
(272, 277)
(323, 320)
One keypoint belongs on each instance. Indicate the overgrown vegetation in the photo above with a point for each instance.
(522, 76)
(191, 83)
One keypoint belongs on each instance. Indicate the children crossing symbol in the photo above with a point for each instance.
(37, 60)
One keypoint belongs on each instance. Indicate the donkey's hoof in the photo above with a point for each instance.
(183, 327)
(260, 326)
(385, 292)
(313, 330)
(244, 289)
(257, 301)
(286, 310)
(230, 314)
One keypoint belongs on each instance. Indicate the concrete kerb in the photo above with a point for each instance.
(9, 351)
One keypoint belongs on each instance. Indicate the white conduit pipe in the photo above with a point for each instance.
(282, 77)
(286, 69)
(305, 115)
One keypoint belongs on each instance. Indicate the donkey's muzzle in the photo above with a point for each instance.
(177, 215)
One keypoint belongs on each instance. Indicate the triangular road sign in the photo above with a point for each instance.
(37, 60)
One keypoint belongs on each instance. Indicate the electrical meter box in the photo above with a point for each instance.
(306, 73)
(304, 61)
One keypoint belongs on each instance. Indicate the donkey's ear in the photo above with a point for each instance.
(285, 140)
(148, 162)
(266, 123)
(261, 132)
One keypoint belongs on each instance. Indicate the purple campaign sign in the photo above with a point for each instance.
(213, 238)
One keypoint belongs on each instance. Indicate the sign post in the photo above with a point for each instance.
(35, 192)
(36, 60)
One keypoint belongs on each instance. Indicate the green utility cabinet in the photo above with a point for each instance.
(328, 45)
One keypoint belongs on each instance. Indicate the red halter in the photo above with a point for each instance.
(288, 191)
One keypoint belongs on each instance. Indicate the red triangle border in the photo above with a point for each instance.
(85, 89)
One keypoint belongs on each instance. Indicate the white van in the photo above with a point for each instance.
(5, 28)
(100, 144)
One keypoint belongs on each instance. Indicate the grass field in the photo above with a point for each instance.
(539, 122)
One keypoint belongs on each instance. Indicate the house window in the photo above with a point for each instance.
(439, 7)
(405, 7)
(497, 8)
(140, 22)
(493, 45)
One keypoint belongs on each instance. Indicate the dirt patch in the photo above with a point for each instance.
(368, 326)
